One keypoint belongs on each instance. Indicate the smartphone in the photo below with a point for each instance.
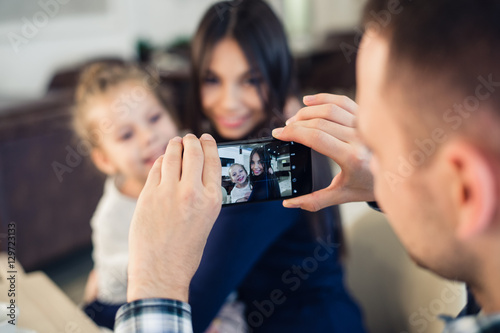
(264, 169)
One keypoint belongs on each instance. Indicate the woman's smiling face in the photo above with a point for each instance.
(230, 92)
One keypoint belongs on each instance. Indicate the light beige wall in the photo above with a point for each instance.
(65, 40)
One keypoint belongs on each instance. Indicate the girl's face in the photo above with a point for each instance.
(230, 92)
(238, 175)
(134, 130)
(256, 165)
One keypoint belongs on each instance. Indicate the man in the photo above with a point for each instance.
(429, 112)
(174, 215)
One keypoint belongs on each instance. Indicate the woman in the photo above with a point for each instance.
(263, 182)
(284, 263)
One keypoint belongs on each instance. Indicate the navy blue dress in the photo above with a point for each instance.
(284, 263)
(265, 186)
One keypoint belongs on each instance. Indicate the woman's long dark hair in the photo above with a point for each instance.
(265, 185)
(261, 36)
(265, 159)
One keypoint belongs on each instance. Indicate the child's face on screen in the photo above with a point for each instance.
(256, 165)
(135, 129)
(238, 175)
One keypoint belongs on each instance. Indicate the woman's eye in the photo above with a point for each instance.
(125, 136)
(210, 80)
(155, 118)
(254, 81)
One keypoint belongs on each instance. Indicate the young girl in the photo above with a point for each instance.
(239, 176)
(242, 80)
(123, 116)
(264, 183)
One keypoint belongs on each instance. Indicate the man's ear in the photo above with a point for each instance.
(102, 162)
(474, 187)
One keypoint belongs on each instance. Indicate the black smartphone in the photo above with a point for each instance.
(264, 169)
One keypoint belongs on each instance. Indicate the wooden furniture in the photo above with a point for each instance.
(42, 306)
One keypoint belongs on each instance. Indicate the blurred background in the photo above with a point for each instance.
(38, 40)
(49, 189)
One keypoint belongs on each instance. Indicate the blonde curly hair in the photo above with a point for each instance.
(98, 79)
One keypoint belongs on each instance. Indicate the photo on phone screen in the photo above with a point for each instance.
(262, 170)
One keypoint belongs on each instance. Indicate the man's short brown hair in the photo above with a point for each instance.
(451, 43)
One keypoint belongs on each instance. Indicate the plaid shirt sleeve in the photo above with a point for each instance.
(154, 315)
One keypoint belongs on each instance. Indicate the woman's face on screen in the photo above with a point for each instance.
(256, 165)
(230, 92)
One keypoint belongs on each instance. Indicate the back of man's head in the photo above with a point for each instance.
(429, 96)
(455, 43)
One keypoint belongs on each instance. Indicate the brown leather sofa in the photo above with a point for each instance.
(51, 212)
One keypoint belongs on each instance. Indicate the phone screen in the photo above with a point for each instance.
(262, 170)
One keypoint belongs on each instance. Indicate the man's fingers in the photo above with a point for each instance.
(340, 132)
(317, 140)
(171, 165)
(314, 201)
(330, 112)
(154, 176)
(212, 166)
(192, 160)
(342, 101)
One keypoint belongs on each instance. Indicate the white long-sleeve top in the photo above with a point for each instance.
(110, 228)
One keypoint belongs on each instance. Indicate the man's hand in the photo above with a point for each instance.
(328, 126)
(175, 213)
